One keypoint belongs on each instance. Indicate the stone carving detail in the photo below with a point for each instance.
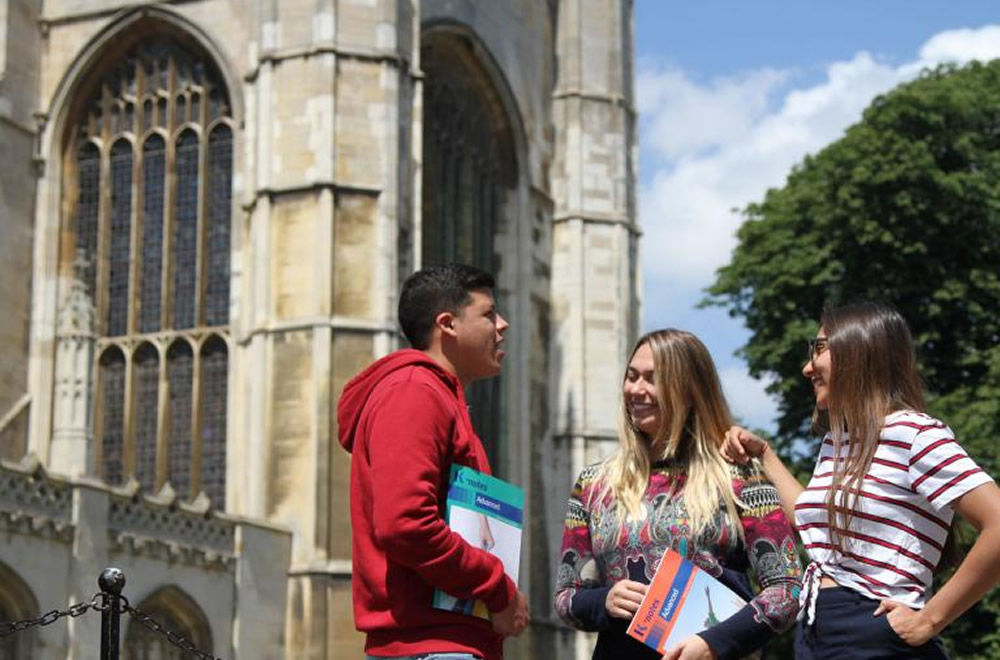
(36, 525)
(33, 504)
(165, 522)
(26, 489)
(76, 315)
(170, 552)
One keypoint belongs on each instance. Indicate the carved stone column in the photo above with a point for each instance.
(72, 429)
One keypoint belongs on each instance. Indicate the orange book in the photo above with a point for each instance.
(681, 601)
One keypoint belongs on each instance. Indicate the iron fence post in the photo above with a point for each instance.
(111, 582)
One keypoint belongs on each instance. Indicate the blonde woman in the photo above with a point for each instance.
(876, 513)
(667, 486)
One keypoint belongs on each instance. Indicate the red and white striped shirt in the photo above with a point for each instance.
(902, 517)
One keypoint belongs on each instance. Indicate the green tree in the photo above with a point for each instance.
(904, 208)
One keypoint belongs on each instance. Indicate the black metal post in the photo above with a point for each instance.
(111, 582)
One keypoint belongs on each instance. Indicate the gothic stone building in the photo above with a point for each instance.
(208, 207)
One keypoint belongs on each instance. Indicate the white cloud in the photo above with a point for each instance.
(712, 147)
(963, 45)
(719, 145)
(671, 100)
(688, 203)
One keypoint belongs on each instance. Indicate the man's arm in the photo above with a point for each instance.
(408, 450)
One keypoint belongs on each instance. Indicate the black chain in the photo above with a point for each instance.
(96, 603)
(177, 640)
(99, 604)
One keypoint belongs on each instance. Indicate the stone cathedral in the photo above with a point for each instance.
(208, 207)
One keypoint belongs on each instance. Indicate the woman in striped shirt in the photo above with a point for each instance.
(876, 514)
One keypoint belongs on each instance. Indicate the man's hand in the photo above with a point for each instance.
(512, 620)
(692, 648)
(624, 598)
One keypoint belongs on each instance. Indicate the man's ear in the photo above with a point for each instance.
(445, 321)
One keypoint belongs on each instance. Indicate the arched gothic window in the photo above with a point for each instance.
(178, 613)
(468, 171)
(149, 163)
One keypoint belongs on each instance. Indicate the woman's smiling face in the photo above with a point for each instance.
(817, 368)
(640, 392)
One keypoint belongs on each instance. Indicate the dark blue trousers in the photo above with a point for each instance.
(844, 629)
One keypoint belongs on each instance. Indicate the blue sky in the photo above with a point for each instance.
(731, 95)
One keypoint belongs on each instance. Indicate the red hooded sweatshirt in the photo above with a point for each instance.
(405, 421)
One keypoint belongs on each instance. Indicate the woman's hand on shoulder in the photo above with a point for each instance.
(624, 598)
(692, 648)
(740, 445)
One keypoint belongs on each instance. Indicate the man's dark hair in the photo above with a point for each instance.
(435, 289)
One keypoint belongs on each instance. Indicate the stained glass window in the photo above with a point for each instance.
(88, 184)
(214, 391)
(147, 115)
(181, 106)
(180, 373)
(112, 418)
(153, 254)
(220, 173)
(151, 283)
(184, 257)
(468, 168)
(161, 112)
(129, 117)
(146, 398)
(468, 162)
(120, 239)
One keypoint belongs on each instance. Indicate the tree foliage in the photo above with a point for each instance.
(904, 208)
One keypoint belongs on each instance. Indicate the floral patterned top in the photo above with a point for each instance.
(599, 550)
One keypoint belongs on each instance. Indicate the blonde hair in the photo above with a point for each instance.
(873, 373)
(694, 417)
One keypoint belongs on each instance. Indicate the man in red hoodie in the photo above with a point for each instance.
(405, 421)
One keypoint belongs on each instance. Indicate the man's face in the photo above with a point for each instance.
(479, 332)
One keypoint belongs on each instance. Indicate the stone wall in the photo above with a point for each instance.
(19, 69)
(59, 534)
(327, 106)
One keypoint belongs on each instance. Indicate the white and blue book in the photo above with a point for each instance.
(487, 513)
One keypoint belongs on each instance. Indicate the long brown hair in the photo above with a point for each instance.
(873, 373)
(694, 417)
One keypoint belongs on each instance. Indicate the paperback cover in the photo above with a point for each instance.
(487, 513)
(682, 601)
